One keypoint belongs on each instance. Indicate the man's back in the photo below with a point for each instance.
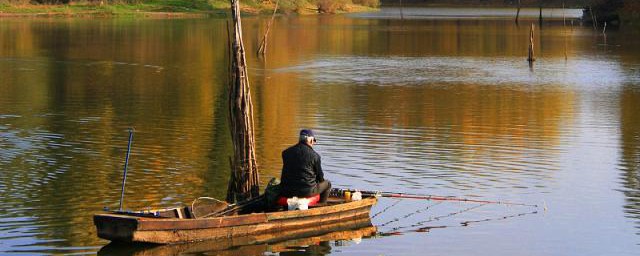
(301, 170)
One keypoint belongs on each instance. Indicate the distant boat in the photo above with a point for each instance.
(178, 226)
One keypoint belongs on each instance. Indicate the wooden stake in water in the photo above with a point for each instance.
(531, 57)
(518, 13)
(593, 18)
(540, 15)
(564, 18)
(604, 35)
(126, 163)
(564, 30)
(263, 44)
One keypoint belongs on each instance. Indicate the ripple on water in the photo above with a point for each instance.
(499, 71)
(374, 155)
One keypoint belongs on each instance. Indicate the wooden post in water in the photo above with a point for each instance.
(263, 44)
(243, 180)
(540, 15)
(531, 57)
(518, 13)
(604, 35)
(564, 30)
(593, 18)
(564, 17)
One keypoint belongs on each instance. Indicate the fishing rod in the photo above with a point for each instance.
(341, 191)
(126, 162)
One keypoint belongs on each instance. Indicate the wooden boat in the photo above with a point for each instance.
(254, 244)
(176, 226)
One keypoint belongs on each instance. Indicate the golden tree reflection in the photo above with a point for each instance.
(78, 84)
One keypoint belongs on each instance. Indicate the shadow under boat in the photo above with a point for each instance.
(313, 240)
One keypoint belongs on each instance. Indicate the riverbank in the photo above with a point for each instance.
(179, 8)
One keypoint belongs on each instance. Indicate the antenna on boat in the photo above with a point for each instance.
(126, 162)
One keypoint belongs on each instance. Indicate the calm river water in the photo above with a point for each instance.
(444, 106)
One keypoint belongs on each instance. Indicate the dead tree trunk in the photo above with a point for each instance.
(243, 180)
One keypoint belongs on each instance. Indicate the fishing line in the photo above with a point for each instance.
(461, 224)
(466, 223)
(386, 208)
(419, 223)
(410, 214)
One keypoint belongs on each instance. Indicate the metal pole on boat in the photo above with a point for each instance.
(126, 162)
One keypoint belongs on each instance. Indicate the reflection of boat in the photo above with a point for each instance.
(160, 228)
(255, 244)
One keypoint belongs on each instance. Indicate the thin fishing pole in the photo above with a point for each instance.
(451, 198)
(126, 162)
(431, 197)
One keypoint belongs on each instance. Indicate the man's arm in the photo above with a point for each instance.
(318, 169)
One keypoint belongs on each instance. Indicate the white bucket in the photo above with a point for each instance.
(303, 203)
(356, 196)
(295, 203)
(292, 203)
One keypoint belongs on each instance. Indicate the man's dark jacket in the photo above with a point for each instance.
(301, 170)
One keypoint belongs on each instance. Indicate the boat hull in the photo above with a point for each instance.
(254, 244)
(124, 228)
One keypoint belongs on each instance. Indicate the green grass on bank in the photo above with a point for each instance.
(180, 7)
(95, 8)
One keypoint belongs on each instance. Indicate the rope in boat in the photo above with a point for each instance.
(193, 204)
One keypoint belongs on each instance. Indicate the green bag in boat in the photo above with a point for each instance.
(272, 192)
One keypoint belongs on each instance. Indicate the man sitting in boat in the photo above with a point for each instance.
(302, 174)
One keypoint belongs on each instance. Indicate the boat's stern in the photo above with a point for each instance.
(115, 227)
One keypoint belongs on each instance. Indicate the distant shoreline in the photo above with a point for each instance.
(457, 12)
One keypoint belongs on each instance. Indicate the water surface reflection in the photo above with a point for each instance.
(445, 106)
